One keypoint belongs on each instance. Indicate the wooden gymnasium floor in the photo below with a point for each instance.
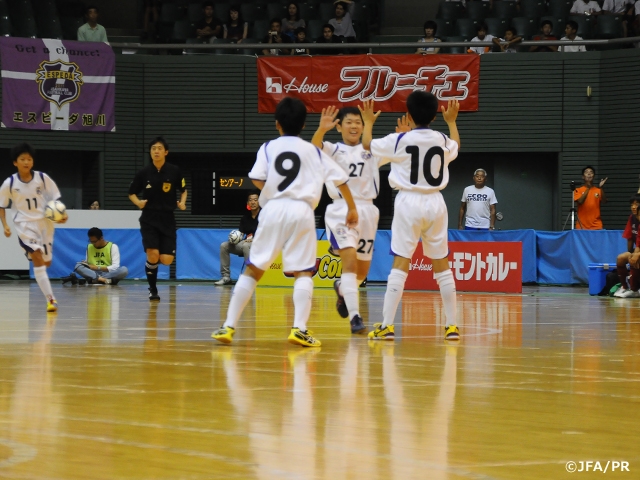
(114, 388)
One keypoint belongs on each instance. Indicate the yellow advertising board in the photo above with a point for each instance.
(327, 269)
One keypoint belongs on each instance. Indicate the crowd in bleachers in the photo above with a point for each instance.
(462, 21)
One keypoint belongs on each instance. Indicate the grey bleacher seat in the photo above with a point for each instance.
(496, 26)
(6, 28)
(70, 27)
(195, 14)
(478, 10)
(308, 11)
(450, 10)
(314, 29)
(26, 27)
(454, 49)
(249, 51)
(446, 28)
(532, 8)
(253, 11)
(559, 8)
(504, 9)
(221, 11)
(169, 12)
(609, 26)
(326, 11)
(49, 27)
(277, 10)
(259, 29)
(395, 39)
(182, 30)
(525, 27)
(585, 25)
(467, 28)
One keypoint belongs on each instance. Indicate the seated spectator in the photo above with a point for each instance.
(301, 37)
(620, 7)
(585, 7)
(631, 256)
(101, 263)
(481, 37)
(327, 37)
(342, 23)
(248, 226)
(293, 21)
(545, 34)
(507, 43)
(91, 31)
(275, 37)
(571, 35)
(235, 28)
(430, 29)
(209, 27)
(95, 205)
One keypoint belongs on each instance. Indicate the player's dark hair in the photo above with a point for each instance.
(159, 140)
(349, 111)
(275, 20)
(546, 22)
(95, 232)
(573, 25)
(255, 191)
(482, 26)
(512, 30)
(588, 166)
(90, 7)
(432, 25)
(291, 115)
(343, 5)
(422, 107)
(300, 30)
(329, 26)
(207, 3)
(634, 198)
(20, 149)
(297, 16)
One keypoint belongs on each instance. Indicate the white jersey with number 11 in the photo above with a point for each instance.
(419, 159)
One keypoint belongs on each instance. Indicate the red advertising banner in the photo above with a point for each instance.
(476, 266)
(348, 80)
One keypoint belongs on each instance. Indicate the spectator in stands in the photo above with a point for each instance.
(91, 31)
(620, 7)
(95, 205)
(150, 16)
(101, 263)
(327, 37)
(546, 28)
(585, 7)
(479, 204)
(342, 23)
(430, 30)
(235, 28)
(276, 39)
(507, 44)
(571, 35)
(301, 37)
(588, 197)
(248, 226)
(293, 21)
(209, 27)
(631, 256)
(481, 37)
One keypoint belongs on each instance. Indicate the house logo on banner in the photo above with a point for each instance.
(59, 82)
(321, 82)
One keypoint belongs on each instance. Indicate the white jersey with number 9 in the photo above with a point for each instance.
(293, 168)
(419, 159)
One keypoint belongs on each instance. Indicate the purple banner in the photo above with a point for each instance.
(50, 84)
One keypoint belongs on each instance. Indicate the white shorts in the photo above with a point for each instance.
(362, 237)
(36, 235)
(419, 215)
(286, 226)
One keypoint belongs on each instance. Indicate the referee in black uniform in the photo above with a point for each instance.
(159, 183)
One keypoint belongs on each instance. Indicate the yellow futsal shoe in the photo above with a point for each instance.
(451, 333)
(380, 333)
(298, 337)
(224, 334)
(52, 306)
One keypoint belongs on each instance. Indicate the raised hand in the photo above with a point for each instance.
(603, 181)
(403, 125)
(328, 118)
(368, 115)
(451, 113)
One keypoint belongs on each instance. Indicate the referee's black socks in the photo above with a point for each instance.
(152, 275)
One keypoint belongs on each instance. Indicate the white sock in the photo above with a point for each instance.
(349, 290)
(43, 281)
(302, 295)
(241, 295)
(393, 295)
(448, 293)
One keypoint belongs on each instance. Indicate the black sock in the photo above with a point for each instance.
(152, 275)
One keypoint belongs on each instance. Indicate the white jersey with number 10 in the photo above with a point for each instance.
(419, 159)
(293, 168)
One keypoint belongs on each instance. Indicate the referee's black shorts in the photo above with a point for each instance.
(158, 231)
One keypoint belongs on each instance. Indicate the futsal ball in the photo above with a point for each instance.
(235, 236)
(55, 211)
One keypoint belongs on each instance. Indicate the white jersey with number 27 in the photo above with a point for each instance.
(419, 159)
(294, 168)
